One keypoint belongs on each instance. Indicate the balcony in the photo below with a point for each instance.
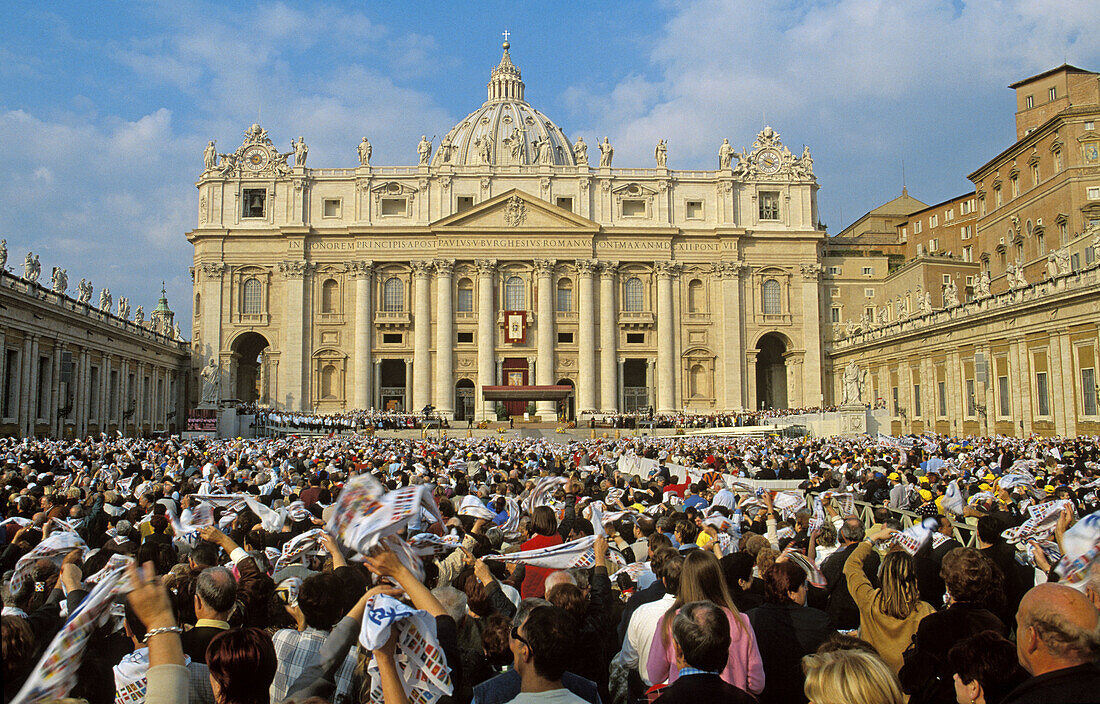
(636, 319)
(392, 319)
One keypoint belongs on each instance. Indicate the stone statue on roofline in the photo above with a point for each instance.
(607, 152)
(105, 300)
(365, 149)
(424, 150)
(209, 157)
(301, 151)
(32, 268)
(84, 292)
(725, 154)
(59, 280)
(580, 152)
(660, 153)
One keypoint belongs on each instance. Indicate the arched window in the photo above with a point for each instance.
(632, 295)
(198, 304)
(250, 298)
(330, 296)
(465, 296)
(513, 294)
(565, 296)
(393, 295)
(696, 298)
(328, 381)
(771, 297)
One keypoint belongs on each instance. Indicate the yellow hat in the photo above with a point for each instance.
(939, 502)
(926, 495)
(893, 476)
(923, 480)
(985, 487)
(989, 478)
(1048, 489)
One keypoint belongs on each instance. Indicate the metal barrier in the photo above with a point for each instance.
(963, 532)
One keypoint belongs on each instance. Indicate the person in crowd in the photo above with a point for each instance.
(242, 664)
(544, 529)
(984, 668)
(215, 595)
(973, 582)
(542, 649)
(786, 629)
(702, 646)
(888, 616)
(841, 607)
(849, 676)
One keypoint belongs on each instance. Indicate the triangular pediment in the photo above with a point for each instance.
(516, 211)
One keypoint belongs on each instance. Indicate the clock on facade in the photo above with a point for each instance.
(768, 161)
(255, 158)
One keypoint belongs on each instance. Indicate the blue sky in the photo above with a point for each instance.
(105, 107)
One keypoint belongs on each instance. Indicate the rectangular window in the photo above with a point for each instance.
(967, 231)
(868, 271)
(1035, 174)
(252, 202)
(997, 196)
(769, 205)
(465, 337)
(949, 215)
(331, 207)
(1075, 262)
(933, 220)
(918, 227)
(1029, 101)
(1093, 193)
(1004, 401)
(946, 279)
(464, 203)
(635, 338)
(933, 245)
(968, 253)
(395, 207)
(391, 338)
(981, 205)
(1090, 255)
(870, 313)
(1052, 93)
(920, 250)
(565, 338)
(971, 398)
(565, 300)
(465, 300)
(941, 390)
(834, 315)
(693, 210)
(564, 203)
(834, 271)
(1015, 186)
(1088, 390)
(916, 400)
(1041, 394)
(1058, 161)
(633, 208)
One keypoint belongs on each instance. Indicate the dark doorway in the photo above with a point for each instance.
(391, 384)
(464, 399)
(248, 356)
(635, 386)
(515, 374)
(771, 372)
(566, 406)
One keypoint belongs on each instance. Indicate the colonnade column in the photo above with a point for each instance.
(103, 413)
(55, 391)
(25, 407)
(544, 370)
(486, 337)
(293, 367)
(729, 281)
(666, 352)
(811, 333)
(610, 379)
(422, 335)
(364, 316)
(444, 338)
(586, 338)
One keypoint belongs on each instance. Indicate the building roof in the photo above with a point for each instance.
(1064, 67)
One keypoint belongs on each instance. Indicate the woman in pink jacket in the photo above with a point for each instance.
(701, 580)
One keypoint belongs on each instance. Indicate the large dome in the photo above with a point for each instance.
(505, 130)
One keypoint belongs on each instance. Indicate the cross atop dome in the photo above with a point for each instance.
(505, 82)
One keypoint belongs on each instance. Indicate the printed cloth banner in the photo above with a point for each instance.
(1082, 544)
(308, 543)
(430, 543)
(299, 512)
(54, 548)
(575, 553)
(813, 574)
(56, 672)
(540, 495)
(1041, 522)
(421, 663)
(472, 506)
(511, 526)
(788, 503)
(912, 538)
(846, 503)
(953, 501)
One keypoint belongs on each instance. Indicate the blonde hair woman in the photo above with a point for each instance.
(701, 579)
(889, 616)
(849, 677)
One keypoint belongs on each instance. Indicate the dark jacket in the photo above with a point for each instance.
(926, 674)
(709, 687)
(196, 640)
(841, 608)
(1071, 685)
(784, 634)
(505, 687)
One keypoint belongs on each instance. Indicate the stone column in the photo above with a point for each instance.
(620, 401)
(811, 333)
(23, 393)
(422, 336)
(666, 352)
(610, 377)
(444, 338)
(210, 274)
(544, 369)
(295, 355)
(1021, 380)
(1067, 386)
(486, 337)
(751, 402)
(55, 390)
(104, 411)
(729, 282)
(408, 383)
(32, 389)
(376, 392)
(586, 338)
(362, 273)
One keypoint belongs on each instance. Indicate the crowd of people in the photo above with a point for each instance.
(350, 568)
(705, 420)
(348, 421)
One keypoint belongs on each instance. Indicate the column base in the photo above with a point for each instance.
(547, 410)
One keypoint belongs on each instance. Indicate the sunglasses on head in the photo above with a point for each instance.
(516, 636)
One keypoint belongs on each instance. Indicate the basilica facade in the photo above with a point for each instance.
(505, 257)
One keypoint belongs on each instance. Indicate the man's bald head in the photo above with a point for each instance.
(1057, 627)
(559, 577)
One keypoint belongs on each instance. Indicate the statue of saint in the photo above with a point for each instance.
(229, 163)
(84, 292)
(660, 153)
(301, 151)
(424, 150)
(1052, 267)
(445, 149)
(725, 155)
(364, 150)
(139, 315)
(580, 152)
(32, 269)
(3, 255)
(211, 382)
(1062, 261)
(606, 152)
(279, 162)
(60, 280)
(105, 300)
(209, 156)
(124, 307)
(950, 294)
(853, 383)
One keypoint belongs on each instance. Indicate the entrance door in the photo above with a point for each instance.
(464, 400)
(635, 386)
(515, 374)
(566, 407)
(392, 384)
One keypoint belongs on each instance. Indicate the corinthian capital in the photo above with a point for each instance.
(444, 267)
(608, 270)
(587, 267)
(668, 270)
(544, 267)
(295, 269)
(486, 267)
(360, 270)
(212, 270)
(811, 271)
(421, 268)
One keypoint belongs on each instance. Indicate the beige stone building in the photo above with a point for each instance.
(71, 367)
(504, 256)
(1007, 337)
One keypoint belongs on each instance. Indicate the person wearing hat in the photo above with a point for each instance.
(898, 495)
